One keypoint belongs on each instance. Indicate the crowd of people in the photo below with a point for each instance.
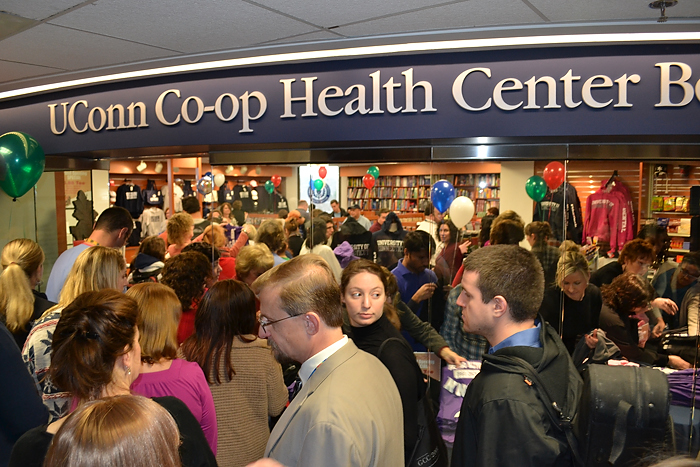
(294, 342)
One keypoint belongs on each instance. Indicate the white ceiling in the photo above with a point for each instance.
(40, 38)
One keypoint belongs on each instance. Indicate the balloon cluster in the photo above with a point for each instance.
(318, 183)
(21, 163)
(273, 183)
(370, 177)
(442, 195)
(552, 177)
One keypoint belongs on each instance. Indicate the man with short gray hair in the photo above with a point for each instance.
(348, 411)
(503, 420)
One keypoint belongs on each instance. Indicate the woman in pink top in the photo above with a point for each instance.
(161, 373)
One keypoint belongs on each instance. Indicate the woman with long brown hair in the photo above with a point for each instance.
(243, 376)
(96, 354)
(161, 373)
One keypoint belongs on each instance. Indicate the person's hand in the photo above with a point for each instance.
(666, 304)
(248, 229)
(451, 357)
(464, 247)
(265, 463)
(425, 292)
(676, 362)
(658, 328)
(591, 339)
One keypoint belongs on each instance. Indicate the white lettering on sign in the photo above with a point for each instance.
(667, 82)
(512, 85)
(192, 109)
(96, 117)
(358, 104)
(476, 89)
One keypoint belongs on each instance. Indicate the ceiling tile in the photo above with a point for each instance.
(12, 24)
(37, 9)
(460, 15)
(12, 71)
(606, 10)
(187, 27)
(311, 36)
(53, 46)
(330, 13)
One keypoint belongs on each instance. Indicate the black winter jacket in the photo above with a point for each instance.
(503, 422)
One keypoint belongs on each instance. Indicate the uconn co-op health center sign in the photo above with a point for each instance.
(545, 92)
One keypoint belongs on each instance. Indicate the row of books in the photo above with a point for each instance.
(376, 204)
(485, 193)
(477, 180)
(418, 193)
(385, 192)
(482, 205)
(391, 181)
(484, 180)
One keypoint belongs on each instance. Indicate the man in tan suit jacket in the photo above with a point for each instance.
(348, 411)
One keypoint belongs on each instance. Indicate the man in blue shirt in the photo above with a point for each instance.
(112, 230)
(415, 281)
(502, 421)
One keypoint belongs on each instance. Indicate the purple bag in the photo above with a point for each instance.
(454, 386)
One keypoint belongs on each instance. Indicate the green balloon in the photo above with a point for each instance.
(318, 184)
(269, 186)
(373, 171)
(536, 188)
(21, 163)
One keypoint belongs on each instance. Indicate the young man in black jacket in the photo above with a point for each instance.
(503, 422)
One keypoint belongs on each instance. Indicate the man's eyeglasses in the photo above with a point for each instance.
(264, 322)
(688, 274)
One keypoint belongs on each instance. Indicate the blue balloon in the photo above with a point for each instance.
(442, 194)
(204, 185)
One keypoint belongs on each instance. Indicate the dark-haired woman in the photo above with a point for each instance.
(363, 293)
(625, 301)
(449, 259)
(188, 275)
(243, 376)
(96, 354)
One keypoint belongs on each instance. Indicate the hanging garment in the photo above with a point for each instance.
(129, 198)
(562, 209)
(177, 197)
(245, 195)
(152, 195)
(153, 221)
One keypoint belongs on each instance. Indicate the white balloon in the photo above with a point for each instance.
(219, 179)
(461, 211)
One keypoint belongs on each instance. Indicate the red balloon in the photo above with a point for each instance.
(276, 180)
(322, 172)
(253, 183)
(554, 175)
(368, 181)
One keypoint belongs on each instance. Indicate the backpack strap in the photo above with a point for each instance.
(560, 421)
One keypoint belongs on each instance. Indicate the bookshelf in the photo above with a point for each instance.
(411, 193)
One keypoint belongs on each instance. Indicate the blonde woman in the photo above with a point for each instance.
(161, 373)
(573, 306)
(133, 432)
(20, 304)
(96, 268)
(180, 230)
